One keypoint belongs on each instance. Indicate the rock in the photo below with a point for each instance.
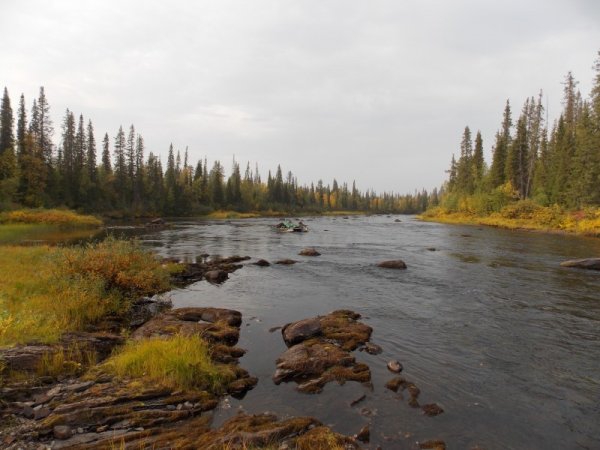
(394, 366)
(41, 413)
(395, 384)
(216, 276)
(321, 351)
(62, 432)
(433, 444)
(371, 349)
(262, 263)
(431, 249)
(432, 409)
(296, 332)
(364, 434)
(309, 251)
(273, 329)
(358, 400)
(588, 263)
(393, 264)
(286, 262)
(397, 221)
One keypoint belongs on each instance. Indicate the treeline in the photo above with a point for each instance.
(549, 166)
(34, 173)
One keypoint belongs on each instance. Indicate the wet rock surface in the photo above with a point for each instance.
(214, 270)
(393, 264)
(319, 351)
(91, 412)
(309, 251)
(587, 263)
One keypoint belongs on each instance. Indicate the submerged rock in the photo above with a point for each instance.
(216, 276)
(588, 263)
(286, 262)
(393, 264)
(394, 366)
(262, 263)
(432, 409)
(309, 251)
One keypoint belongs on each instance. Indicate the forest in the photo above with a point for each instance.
(534, 163)
(116, 177)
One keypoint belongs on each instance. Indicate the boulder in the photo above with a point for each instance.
(394, 366)
(62, 432)
(309, 251)
(296, 332)
(587, 263)
(286, 262)
(216, 276)
(432, 409)
(393, 264)
(262, 263)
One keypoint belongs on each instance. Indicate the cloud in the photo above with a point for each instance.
(374, 91)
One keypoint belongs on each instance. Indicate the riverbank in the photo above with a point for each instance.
(88, 359)
(45, 224)
(524, 216)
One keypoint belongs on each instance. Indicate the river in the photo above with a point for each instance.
(485, 322)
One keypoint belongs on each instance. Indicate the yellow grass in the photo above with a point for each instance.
(179, 362)
(525, 215)
(45, 291)
(62, 218)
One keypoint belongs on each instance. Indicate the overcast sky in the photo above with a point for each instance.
(375, 91)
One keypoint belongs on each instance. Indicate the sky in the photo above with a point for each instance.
(375, 91)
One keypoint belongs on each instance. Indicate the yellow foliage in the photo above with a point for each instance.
(63, 218)
(45, 291)
(179, 362)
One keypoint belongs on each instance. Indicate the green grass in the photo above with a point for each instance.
(179, 362)
(46, 291)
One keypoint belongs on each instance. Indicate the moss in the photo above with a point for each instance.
(322, 438)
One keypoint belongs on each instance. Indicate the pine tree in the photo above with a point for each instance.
(68, 160)
(464, 175)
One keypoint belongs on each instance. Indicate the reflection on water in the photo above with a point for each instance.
(488, 325)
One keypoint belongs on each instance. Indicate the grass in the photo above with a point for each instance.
(524, 215)
(70, 361)
(178, 362)
(59, 217)
(46, 291)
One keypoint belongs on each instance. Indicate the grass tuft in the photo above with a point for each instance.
(46, 291)
(179, 362)
(62, 218)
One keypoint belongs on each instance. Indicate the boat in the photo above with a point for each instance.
(287, 226)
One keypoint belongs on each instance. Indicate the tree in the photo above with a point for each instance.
(478, 162)
(7, 140)
(503, 140)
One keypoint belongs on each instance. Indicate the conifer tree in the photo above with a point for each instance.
(503, 140)
(7, 142)
(478, 162)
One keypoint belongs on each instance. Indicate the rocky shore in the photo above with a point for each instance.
(76, 403)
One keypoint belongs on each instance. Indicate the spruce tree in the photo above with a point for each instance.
(7, 142)
(478, 162)
(503, 140)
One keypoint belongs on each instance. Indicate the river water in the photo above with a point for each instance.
(485, 322)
